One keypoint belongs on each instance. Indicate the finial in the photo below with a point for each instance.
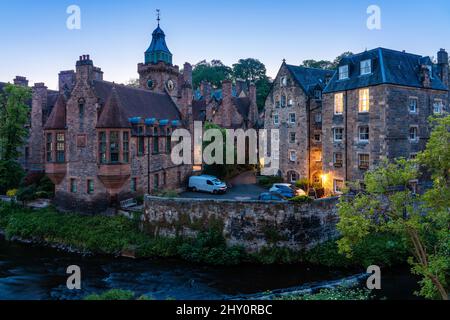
(158, 14)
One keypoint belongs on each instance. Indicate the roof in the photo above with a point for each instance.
(388, 67)
(134, 102)
(57, 118)
(113, 115)
(158, 46)
(199, 110)
(308, 78)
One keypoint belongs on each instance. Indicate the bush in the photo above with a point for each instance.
(27, 193)
(268, 181)
(11, 173)
(301, 199)
(11, 193)
(302, 184)
(114, 294)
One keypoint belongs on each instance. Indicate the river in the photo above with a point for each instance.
(35, 273)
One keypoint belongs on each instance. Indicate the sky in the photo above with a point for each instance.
(36, 42)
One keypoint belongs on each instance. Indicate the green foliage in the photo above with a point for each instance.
(214, 72)
(301, 199)
(113, 294)
(325, 64)
(302, 184)
(387, 205)
(13, 118)
(11, 173)
(35, 187)
(340, 294)
(167, 194)
(268, 181)
(276, 255)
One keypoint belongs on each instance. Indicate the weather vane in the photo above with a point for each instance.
(158, 14)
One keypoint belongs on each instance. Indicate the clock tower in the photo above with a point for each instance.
(157, 73)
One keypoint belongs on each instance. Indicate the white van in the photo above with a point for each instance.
(207, 184)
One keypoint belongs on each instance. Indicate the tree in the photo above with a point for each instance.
(214, 72)
(340, 57)
(387, 204)
(133, 83)
(13, 118)
(325, 64)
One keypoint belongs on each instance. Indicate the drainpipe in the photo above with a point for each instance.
(346, 134)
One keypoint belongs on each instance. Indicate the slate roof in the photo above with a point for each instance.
(388, 67)
(57, 118)
(158, 41)
(134, 102)
(309, 78)
(113, 115)
(199, 110)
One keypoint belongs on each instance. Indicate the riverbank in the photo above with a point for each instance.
(120, 236)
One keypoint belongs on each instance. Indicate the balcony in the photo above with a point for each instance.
(114, 176)
(56, 171)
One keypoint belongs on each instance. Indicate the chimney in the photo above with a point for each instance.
(253, 112)
(21, 81)
(66, 80)
(187, 73)
(425, 75)
(443, 65)
(227, 103)
(205, 89)
(84, 69)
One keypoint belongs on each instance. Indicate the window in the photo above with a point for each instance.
(156, 182)
(413, 105)
(338, 103)
(292, 137)
(318, 118)
(366, 67)
(114, 146)
(292, 118)
(102, 147)
(73, 185)
(49, 147)
(338, 186)
(283, 101)
(343, 72)
(413, 134)
(293, 177)
(276, 119)
(290, 103)
(292, 156)
(283, 81)
(155, 141)
(364, 134)
(317, 94)
(338, 134)
(364, 100)
(126, 147)
(90, 186)
(364, 161)
(60, 148)
(338, 160)
(81, 113)
(317, 137)
(133, 186)
(437, 107)
(277, 103)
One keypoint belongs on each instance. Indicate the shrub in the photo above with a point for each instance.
(27, 193)
(301, 199)
(114, 294)
(11, 174)
(303, 184)
(341, 293)
(11, 193)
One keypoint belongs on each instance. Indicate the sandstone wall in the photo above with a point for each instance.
(252, 224)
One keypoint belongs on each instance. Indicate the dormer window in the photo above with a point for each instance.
(343, 72)
(366, 67)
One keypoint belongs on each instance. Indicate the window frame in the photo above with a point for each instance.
(336, 182)
(343, 75)
(290, 118)
(364, 100)
(366, 68)
(338, 103)
(363, 164)
(360, 134)
(416, 100)
(291, 153)
(414, 129)
(342, 134)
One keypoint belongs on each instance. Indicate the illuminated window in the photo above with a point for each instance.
(343, 72)
(338, 103)
(366, 67)
(364, 161)
(364, 100)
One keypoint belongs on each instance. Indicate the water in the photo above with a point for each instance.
(36, 273)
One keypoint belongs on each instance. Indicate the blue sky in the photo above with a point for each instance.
(37, 44)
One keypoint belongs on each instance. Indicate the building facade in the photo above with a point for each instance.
(377, 107)
(103, 142)
(294, 107)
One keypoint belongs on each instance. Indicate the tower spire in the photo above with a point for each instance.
(158, 15)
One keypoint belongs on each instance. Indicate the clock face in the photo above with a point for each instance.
(170, 85)
(150, 83)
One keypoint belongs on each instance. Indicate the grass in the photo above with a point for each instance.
(338, 294)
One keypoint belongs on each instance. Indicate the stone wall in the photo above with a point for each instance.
(252, 224)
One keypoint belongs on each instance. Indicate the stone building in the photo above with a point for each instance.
(104, 142)
(377, 107)
(231, 107)
(294, 106)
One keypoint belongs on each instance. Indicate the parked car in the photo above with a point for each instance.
(287, 190)
(267, 196)
(207, 184)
